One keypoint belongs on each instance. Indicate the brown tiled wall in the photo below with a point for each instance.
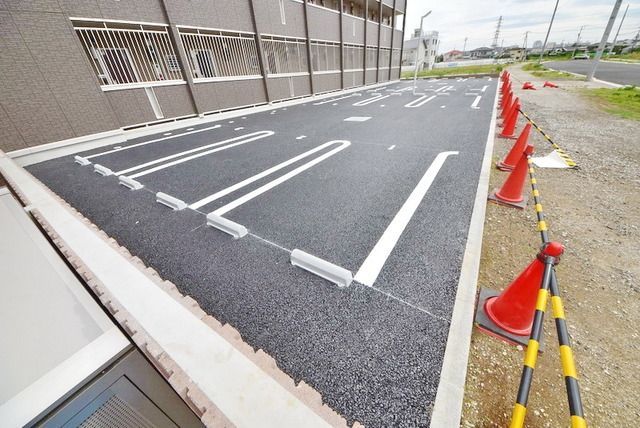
(49, 91)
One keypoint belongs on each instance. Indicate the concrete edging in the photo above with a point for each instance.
(447, 408)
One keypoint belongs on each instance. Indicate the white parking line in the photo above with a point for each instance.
(357, 119)
(260, 190)
(332, 100)
(152, 141)
(484, 88)
(476, 102)
(301, 137)
(392, 147)
(236, 140)
(243, 183)
(419, 102)
(370, 100)
(370, 269)
(442, 88)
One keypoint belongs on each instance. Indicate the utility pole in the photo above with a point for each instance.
(605, 37)
(544, 45)
(524, 46)
(464, 48)
(575, 48)
(615, 39)
(415, 73)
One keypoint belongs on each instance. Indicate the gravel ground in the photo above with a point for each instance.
(595, 213)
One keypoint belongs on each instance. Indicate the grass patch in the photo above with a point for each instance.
(539, 70)
(631, 57)
(472, 69)
(623, 102)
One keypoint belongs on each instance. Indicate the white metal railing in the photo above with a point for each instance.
(325, 56)
(395, 58)
(385, 56)
(353, 57)
(285, 55)
(127, 54)
(372, 52)
(220, 55)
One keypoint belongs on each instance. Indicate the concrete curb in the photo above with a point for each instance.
(191, 393)
(447, 409)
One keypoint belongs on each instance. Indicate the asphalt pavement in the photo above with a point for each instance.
(614, 72)
(329, 177)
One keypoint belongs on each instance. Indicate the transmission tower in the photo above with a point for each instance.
(496, 36)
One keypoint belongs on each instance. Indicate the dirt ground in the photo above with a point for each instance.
(595, 212)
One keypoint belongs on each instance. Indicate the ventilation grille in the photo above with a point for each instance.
(115, 413)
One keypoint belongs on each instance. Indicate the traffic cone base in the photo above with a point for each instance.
(511, 159)
(515, 204)
(486, 325)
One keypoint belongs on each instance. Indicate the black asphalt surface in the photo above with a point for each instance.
(623, 74)
(374, 353)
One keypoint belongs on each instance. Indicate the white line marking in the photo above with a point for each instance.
(408, 88)
(443, 106)
(357, 119)
(332, 100)
(442, 88)
(484, 88)
(370, 100)
(419, 102)
(334, 104)
(190, 129)
(239, 128)
(476, 102)
(243, 183)
(392, 147)
(260, 190)
(370, 269)
(381, 105)
(231, 121)
(301, 137)
(152, 141)
(242, 139)
(489, 79)
(167, 133)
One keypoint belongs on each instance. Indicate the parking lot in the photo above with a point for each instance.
(380, 183)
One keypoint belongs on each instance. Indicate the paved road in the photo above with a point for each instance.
(623, 74)
(305, 177)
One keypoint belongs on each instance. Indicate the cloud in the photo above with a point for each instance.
(476, 20)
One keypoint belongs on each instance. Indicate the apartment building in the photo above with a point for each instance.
(76, 67)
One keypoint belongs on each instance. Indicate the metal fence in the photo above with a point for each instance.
(219, 55)
(353, 57)
(395, 58)
(372, 53)
(285, 55)
(325, 56)
(125, 54)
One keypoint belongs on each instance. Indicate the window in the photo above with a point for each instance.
(128, 54)
(353, 57)
(214, 54)
(325, 56)
(285, 55)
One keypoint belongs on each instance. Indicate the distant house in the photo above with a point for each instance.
(453, 55)
(516, 54)
(480, 53)
(426, 53)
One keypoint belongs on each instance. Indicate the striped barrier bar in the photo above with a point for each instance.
(566, 354)
(531, 354)
(563, 154)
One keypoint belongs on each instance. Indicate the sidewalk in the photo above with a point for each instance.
(595, 213)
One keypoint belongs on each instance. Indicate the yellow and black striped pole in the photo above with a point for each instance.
(564, 155)
(548, 255)
(566, 354)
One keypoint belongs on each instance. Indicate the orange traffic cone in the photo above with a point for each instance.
(515, 105)
(509, 314)
(511, 159)
(510, 194)
(505, 92)
(509, 126)
(506, 105)
(528, 85)
(549, 85)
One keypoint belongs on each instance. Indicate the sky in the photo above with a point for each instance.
(457, 19)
